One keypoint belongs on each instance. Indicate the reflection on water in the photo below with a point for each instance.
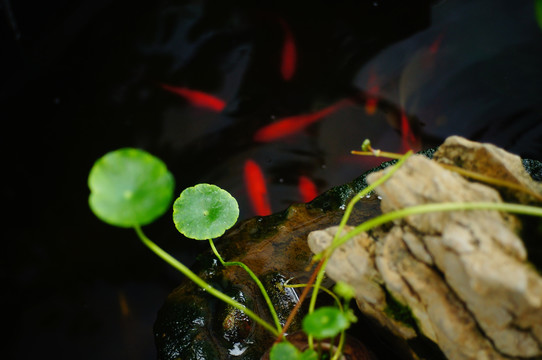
(291, 107)
(406, 77)
(473, 72)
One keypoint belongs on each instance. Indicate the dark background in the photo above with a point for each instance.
(79, 79)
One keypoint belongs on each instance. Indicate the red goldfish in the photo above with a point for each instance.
(197, 98)
(256, 188)
(289, 53)
(435, 46)
(408, 139)
(307, 189)
(372, 94)
(293, 124)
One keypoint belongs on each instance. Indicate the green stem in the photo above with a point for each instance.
(421, 209)
(297, 306)
(339, 351)
(200, 282)
(317, 285)
(256, 280)
(377, 153)
(342, 224)
(329, 292)
(367, 190)
(426, 208)
(340, 346)
(490, 180)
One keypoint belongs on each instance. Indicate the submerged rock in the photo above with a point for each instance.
(194, 325)
(460, 279)
(446, 285)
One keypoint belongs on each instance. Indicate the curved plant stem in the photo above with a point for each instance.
(317, 284)
(464, 172)
(329, 292)
(340, 346)
(367, 190)
(426, 208)
(299, 302)
(377, 153)
(256, 280)
(490, 180)
(324, 255)
(201, 283)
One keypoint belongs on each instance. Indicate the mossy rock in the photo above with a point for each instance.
(193, 325)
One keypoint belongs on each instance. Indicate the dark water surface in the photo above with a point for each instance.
(81, 78)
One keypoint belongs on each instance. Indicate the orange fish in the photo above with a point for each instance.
(293, 124)
(408, 139)
(197, 98)
(307, 189)
(289, 53)
(429, 58)
(256, 188)
(372, 94)
(435, 46)
(123, 304)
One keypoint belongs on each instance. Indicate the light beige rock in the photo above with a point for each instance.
(440, 315)
(483, 261)
(462, 274)
(353, 263)
(490, 160)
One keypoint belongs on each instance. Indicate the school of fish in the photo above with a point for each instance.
(254, 177)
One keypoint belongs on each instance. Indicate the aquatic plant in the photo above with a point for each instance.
(130, 188)
(340, 238)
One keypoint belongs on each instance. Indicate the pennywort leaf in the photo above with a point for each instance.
(284, 351)
(325, 322)
(129, 187)
(204, 212)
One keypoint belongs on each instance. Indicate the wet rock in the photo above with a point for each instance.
(460, 279)
(193, 325)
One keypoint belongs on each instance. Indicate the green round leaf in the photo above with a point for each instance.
(204, 212)
(309, 355)
(325, 322)
(129, 187)
(284, 351)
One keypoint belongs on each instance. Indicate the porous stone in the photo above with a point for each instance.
(354, 263)
(463, 275)
(490, 160)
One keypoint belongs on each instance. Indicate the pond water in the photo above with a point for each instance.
(199, 83)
